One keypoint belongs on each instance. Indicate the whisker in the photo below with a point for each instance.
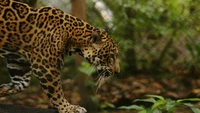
(100, 74)
(102, 79)
(99, 82)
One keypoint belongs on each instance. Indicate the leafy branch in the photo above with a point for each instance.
(160, 104)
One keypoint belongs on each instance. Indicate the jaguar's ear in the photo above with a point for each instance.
(96, 37)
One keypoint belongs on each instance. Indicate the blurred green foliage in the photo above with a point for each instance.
(152, 35)
(156, 35)
(160, 104)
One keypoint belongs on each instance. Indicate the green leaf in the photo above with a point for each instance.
(155, 111)
(188, 99)
(86, 68)
(152, 100)
(135, 107)
(143, 111)
(156, 96)
(195, 110)
(107, 105)
(170, 104)
(158, 104)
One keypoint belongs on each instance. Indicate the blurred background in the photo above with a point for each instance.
(159, 43)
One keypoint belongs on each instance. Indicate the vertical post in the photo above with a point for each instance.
(79, 10)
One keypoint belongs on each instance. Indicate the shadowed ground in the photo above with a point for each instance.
(4, 108)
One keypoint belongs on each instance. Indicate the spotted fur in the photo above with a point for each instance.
(34, 41)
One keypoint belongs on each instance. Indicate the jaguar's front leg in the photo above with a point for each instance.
(48, 74)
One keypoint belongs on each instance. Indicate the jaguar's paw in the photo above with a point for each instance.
(73, 109)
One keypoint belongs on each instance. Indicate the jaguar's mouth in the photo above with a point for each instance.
(105, 73)
(103, 76)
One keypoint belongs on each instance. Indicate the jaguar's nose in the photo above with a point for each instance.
(118, 71)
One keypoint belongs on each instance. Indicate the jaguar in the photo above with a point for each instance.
(34, 41)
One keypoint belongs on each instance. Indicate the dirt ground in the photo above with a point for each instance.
(119, 92)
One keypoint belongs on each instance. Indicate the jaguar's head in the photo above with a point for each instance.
(102, 52)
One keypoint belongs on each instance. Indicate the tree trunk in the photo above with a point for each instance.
(79, 10)
(130, 32)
